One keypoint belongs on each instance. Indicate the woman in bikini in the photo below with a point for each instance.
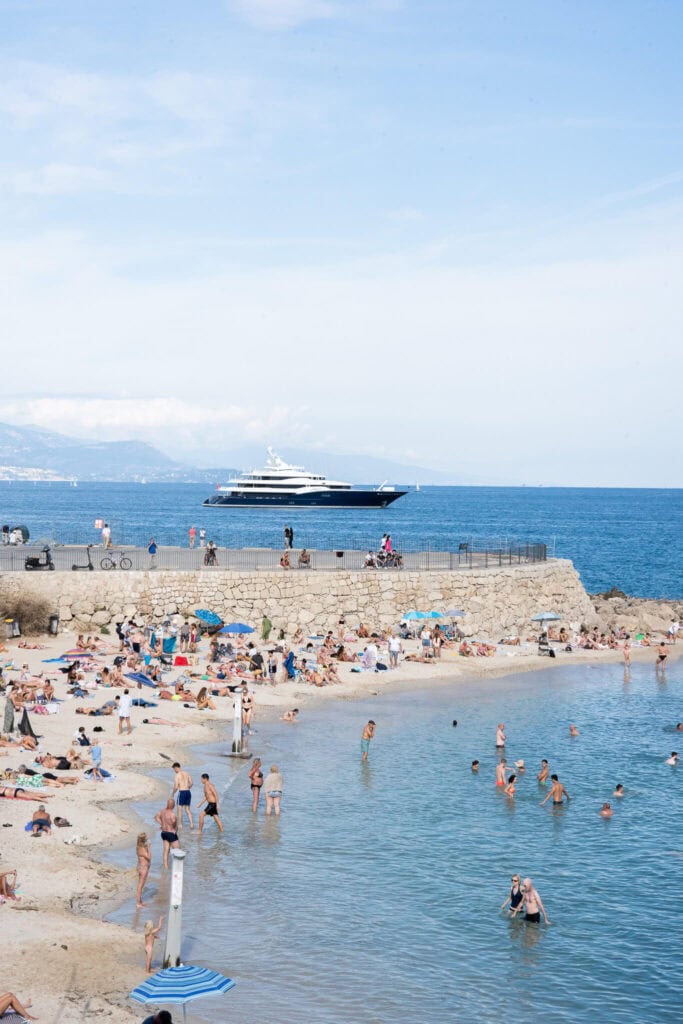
(256, 778)
(204, 702)
(144, 855)
(16, 793)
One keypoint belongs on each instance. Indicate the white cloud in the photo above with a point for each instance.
(284, 14)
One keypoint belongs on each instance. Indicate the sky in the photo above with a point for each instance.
(442, 231)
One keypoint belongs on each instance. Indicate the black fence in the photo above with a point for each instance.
(80, 558)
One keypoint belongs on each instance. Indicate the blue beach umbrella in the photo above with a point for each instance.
(546, 617)
(454, 613)
(180, 985)
(435, 615)
(210, 618)
(237, 627)
(140, 677)
(412, 614)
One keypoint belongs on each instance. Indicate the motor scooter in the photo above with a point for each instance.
(89, 566)
(33, 563)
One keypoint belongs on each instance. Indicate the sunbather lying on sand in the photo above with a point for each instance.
(14, 793)
(8, 885)
(9, 1001)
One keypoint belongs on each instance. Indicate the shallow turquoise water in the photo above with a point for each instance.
(375, 897)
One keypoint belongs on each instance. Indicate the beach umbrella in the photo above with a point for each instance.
(454, 613)
(412, 614)
(435, 615)
(237, 627)
(546, 617)
(140, 677)
(180, 985)
(210, 618)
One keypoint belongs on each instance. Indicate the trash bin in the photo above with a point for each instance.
(54, 625)
(339, 554)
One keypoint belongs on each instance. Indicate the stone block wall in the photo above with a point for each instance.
(497, 601)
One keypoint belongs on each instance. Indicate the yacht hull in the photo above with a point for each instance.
(321, 499)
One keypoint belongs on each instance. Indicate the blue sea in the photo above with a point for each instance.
(631, 539)
(375, 897)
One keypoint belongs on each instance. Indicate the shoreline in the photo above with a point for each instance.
(67, 890)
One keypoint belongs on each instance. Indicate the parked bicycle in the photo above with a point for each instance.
(110, 562)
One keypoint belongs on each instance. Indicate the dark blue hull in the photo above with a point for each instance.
(323, 499)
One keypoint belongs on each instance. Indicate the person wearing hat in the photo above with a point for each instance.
(519, 765)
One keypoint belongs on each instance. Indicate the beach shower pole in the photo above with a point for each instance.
(237, 725)
(175, 911)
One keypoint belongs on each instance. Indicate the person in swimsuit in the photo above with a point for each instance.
(532, 905)
(183, 787)
(211, 801)
(543, 774)
(367, 734)
(501, 768)
(247, 707)
(573, 731)
(151, 933)
(290, 716)
(168, 823)
(500, 736)
(510, 788)
(475, 766)
(660, 663)
(8, 1001)
(515, 898)
(144, 855)
(41, 822)
(557, 792)
(673, 760)
(606, 811)
(273, 790)
(16, 793)
(256, 778)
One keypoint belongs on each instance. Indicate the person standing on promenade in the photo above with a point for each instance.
(182, 785)
(557, 792)
(501, 768)
(272, 787)
(202, 536)
(144, 855)
(211, 801)
(152, 549)
(395, 649)
(168, 823)
(543, 774)
(192, 535)
(125, 708)
(500, 736)
(106, 535)
(531, 904)
(660, 663)
(288, 533)
(367, 735)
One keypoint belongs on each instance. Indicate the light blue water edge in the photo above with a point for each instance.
(375, 898)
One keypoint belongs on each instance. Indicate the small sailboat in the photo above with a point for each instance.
(417, 487)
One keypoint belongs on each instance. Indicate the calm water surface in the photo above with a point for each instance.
(375, 897)
(632, 539)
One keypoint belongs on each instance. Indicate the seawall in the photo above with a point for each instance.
(497, 601)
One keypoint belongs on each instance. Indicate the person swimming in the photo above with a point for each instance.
(619, 791)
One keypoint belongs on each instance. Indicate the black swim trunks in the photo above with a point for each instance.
(211, 810)
(534, 918)
(169, 837)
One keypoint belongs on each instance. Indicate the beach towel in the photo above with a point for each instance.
(181, 660)
(8, 723)
(25, 727)
(107, 776)
(13, 1018)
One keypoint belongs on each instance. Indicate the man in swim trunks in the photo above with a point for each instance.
(500, 736)
(543, 774)
(168, 822)
(367, 734)
(183, 787)
(501, 769)
(211, 801)
(557, 792)
(662, 655)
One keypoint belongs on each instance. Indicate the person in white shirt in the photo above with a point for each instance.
(125, 707)
(673, 760)
(395, 649)
(106, 535)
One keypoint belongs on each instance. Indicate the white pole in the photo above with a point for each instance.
(237, 724)
(175, 911)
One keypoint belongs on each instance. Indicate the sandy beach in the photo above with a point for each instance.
(64, 957)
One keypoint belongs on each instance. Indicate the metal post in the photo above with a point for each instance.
(175, 911)
(237, 725)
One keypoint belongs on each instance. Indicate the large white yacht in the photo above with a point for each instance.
(279, 485)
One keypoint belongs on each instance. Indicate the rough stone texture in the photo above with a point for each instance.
(636, 613)
(497, 601)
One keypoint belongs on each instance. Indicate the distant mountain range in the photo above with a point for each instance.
(31, 453)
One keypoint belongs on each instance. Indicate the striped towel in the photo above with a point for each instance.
(13, 1018)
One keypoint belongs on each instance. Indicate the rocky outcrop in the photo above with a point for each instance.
(497, 601)
(635, 614)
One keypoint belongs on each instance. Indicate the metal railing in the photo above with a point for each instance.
(465, 556)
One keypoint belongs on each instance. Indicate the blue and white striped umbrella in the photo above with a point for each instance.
(181, 985)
